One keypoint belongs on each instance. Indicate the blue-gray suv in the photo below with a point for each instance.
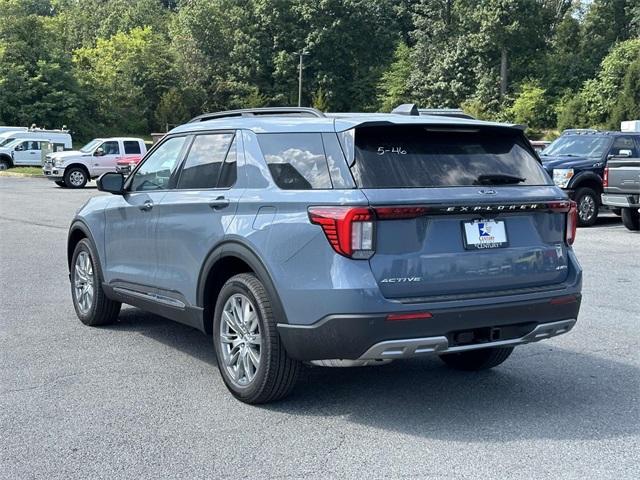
(293, 236)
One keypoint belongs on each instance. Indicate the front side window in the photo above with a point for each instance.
(131, 147)
(111, 148)
(156, 171)
(297, 161)
(205, 160)
(418, 156)
(90, 147)
(577, 146)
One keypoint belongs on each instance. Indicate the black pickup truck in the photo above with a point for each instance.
(576, 162)
(622, 186)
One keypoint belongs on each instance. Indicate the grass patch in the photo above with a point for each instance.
(28, 171)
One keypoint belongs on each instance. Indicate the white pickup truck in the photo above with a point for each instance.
(73, 169)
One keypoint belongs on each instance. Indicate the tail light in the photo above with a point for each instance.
(571, 209)
(605, 178)
(572, 223)
(348, 229)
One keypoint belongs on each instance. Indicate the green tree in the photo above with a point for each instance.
(36, 80)
(126, 76)
(394, 84)
(627, 106)
(81, 23)
(531, 107)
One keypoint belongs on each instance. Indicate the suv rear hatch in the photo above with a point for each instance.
(459, 211)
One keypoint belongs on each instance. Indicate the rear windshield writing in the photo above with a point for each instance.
(390, 157)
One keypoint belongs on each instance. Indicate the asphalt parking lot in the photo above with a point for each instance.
(143, 398)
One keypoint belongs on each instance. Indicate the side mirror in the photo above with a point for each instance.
(622, 154)
(111, 182)
(99, 152)
(19, 148)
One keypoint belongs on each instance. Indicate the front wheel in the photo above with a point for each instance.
(91, 304)
(75, 177)
(4, 164)
(631, 218)
(475, 360)
(587, 200)
(253, 362)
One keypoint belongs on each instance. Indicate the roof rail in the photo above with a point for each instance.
(580, 131)
(250, 112)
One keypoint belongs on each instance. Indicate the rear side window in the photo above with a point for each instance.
(204, 165)
(131, 147)
(416, 156)
(297, 161)
(623, 145)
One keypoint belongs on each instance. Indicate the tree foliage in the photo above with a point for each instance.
(131, 66)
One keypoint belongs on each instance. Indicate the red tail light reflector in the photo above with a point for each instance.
(409, 316)
(605, 177)
(563, 300)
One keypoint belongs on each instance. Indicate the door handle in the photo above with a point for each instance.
(219, 203)
(146, 206)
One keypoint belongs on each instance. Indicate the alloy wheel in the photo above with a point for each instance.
(240, 339)
(83, 282)
(586, 208)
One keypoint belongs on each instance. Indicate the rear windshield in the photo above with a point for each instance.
(392, 157)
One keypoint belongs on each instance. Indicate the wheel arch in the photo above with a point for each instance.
(79, 231)
(8, 158)
(223, 262)
(587, 179)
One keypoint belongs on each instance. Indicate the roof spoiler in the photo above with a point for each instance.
(406, 109)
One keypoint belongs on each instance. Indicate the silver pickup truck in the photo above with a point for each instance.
(621, 184)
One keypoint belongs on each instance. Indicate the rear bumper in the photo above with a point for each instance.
(621, 200)
(371, 336)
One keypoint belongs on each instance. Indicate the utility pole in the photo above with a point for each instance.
(302, 53)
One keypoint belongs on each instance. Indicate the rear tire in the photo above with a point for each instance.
(631, 218)
(252, 360)
(616, 211)
(588, 206)
(474, 360)
(75, 177)
(91, 304)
